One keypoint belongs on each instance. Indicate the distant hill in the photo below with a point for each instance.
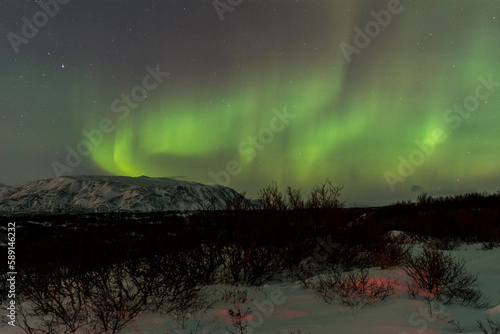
(101, 194)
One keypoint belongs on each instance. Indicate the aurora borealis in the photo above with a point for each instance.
(265, 94)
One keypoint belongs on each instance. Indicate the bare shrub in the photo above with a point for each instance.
(177, 286)
(295, 201)
(456, 324)
(202, 264)
(107, 299)
(443, 278)
(254, 265)
(67, 300)
(271, 198)
(354, 288)
(235, 296)
(51, 302)
(304, 271)
(351, 256)
(239, 320)
(493, 326)
(489, 245)
(116, 296)
(447, 243)
(326, 196)
(424, 200)
(239, 316)
(392, 252)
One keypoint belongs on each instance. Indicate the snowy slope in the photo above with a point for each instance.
(75, 194)
(284, 308)
(287, 307)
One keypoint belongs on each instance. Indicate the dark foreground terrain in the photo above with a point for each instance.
(124, 264)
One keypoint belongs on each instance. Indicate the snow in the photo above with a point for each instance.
(92, 194)
(288, 307)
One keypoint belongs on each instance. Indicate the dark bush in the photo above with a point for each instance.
(64, 300)
(444, 278)
(391, 252)
(255, 265)
(493, 326)
(106, 299)
(353, 288)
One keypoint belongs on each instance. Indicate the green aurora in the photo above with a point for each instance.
(350, 121)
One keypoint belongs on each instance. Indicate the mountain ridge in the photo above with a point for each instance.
(104, 194)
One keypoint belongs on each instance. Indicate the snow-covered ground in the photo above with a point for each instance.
(288, 307)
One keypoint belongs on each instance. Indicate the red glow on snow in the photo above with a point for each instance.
(378, 281)
(281, 313)
(426, 293)
(291, 314)
(224, 314)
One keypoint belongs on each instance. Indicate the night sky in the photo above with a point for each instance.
(387, 98)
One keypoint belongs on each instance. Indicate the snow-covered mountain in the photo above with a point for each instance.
(99, 194)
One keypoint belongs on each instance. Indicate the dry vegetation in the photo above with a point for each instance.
(100, 273)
